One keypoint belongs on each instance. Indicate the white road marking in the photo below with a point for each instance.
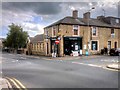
(23, 57)
(93, 65)
(110, 60)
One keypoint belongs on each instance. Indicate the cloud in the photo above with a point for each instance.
(42, 8)
(33, 28)
(34, 16)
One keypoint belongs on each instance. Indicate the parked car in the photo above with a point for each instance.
(114, 52)
(117, 51)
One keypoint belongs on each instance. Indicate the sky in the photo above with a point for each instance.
(34, 16)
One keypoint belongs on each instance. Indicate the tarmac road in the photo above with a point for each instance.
(34, 72)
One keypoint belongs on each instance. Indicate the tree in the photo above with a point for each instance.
(16, 37)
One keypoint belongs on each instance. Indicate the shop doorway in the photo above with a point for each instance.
(72, 44)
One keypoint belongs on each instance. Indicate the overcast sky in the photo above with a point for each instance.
(34, 16)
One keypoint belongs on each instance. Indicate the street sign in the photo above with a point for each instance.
(57, 42)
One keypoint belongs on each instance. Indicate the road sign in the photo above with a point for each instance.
(57, 42)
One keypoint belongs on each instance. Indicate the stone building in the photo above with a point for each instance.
(78, 35)
(36, 45)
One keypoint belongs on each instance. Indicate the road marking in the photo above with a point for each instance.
(20, 83)
(8, 83)
(93, 65)
(13, 61)
(23, 57)
(109, 60)
(13, 82)
(17, 83)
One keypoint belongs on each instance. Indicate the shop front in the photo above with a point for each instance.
(72, 45)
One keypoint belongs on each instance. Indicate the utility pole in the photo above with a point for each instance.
(89, 40)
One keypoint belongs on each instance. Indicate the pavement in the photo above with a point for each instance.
(4, 84)
(115, 66)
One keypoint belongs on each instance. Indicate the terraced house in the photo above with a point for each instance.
(78, 35)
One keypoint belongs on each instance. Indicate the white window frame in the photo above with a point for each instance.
(110, 44)
(112, 34)
(97, 45)
(96, 31)
(77, 29)
(117, 21)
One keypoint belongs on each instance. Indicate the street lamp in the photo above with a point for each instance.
(89, 40)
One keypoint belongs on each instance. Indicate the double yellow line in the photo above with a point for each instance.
(14, 83)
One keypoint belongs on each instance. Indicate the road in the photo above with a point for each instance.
(38, 72)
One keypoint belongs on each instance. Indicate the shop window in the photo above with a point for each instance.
(94, 45)
(94, 31)
(75, 29)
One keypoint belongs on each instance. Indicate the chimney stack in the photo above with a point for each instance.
(86, 15)
(75, 14)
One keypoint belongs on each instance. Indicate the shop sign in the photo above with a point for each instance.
(72, 38)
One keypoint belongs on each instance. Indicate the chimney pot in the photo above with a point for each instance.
(75, 14)
(86, 15)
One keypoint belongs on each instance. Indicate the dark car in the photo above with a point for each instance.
(114, 52)
(117, 51)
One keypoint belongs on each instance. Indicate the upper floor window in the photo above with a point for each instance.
(54, 31)
(117, 20)
(112, 31)
(75, 29)
(94, 31)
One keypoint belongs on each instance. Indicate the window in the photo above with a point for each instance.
(94, 45)
(115, 45)
(94, 31)
(109, 45)
(112, 31)
(54, 31)
(117, 20)
(75, 29)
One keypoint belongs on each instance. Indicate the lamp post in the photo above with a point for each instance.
(89, 39)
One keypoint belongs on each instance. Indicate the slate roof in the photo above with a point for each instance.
(80, 21)
(37, 38)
